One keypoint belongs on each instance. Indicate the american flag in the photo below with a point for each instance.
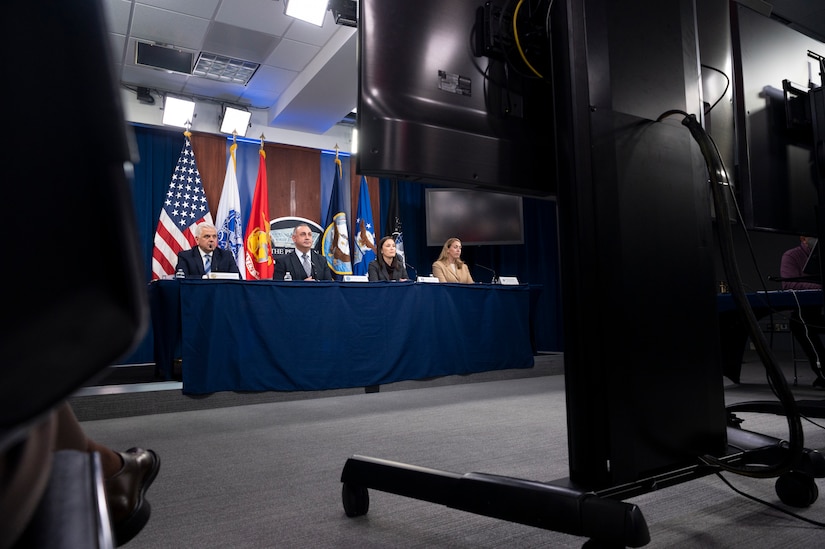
(183, 209)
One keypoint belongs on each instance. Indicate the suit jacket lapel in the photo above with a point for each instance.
(198, 260)
(297, 266)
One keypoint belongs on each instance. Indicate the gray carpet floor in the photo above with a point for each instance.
(268, 474)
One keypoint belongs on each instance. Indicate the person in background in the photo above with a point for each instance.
(806, 323)
(449, 266)
(303, 263)
(387, 266)
(193, 262)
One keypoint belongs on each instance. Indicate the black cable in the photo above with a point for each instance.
(718, 179)
(769, 504)
(724, 92)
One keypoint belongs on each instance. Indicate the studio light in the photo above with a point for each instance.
(311, 11)
(235, 120)
(178, 112)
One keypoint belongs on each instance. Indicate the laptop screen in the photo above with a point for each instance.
(812, 265)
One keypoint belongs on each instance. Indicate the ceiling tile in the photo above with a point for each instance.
(220, 91)
(166, 27)
(292, 55)
(232, 41)
(301, 31)
(267, 84)
(153, 78)
(199, 8)
(117, 15)
(117, 44)
(264, 16)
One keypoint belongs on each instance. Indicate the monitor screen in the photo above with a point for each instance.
(442, 102)
(474, 217)
(776, 176)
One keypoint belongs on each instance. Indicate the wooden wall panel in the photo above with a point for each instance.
(210, 152)
(294, 176)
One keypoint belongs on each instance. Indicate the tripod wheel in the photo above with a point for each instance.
(356, 500)
(796, 489)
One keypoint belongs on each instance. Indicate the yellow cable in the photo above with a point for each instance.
(518, 44)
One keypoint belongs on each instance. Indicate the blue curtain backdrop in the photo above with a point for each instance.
(345, 186)
(536, 261)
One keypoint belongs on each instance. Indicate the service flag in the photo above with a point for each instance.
(394, 228)
(258, 243)
(228, 219)
(335, 240)
(183, 209)
(364, 234)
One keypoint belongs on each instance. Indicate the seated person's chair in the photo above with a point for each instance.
(75, 298)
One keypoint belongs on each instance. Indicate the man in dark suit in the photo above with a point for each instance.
(194, 262)
(303, 263)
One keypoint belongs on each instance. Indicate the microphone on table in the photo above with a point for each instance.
(495, 278)
(408, 266)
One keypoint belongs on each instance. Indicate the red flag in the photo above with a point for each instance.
(183, 209)
(257, 241)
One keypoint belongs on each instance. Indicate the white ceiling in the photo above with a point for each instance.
(308, 77)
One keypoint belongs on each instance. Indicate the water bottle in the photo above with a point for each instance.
(288, 276)
(179, 274)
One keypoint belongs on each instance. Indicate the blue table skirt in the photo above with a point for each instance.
(293, 336)
(733, 330)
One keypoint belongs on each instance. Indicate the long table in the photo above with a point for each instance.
(295, 336)
(733, 331)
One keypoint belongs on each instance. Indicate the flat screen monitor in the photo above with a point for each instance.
(442, 102)
(776, 177)
(475, 217)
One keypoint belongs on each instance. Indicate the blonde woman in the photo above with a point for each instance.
(449, 266)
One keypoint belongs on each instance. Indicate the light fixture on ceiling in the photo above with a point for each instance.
(311, 11)
(178, 112)
(345, 12)
(224, 69)
(235, 121)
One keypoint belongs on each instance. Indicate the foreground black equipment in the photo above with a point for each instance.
(74, 317)
(527, 502)
(600, 516)
(626, 186)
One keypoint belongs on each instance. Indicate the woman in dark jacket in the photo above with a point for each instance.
(387, 266)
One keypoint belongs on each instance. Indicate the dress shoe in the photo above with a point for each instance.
(819, 383)
(126, 493)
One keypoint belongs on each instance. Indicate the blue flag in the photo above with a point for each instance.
(335, 241)
(364, 234)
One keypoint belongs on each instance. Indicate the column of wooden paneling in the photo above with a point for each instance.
(285, 164)
(210, 154)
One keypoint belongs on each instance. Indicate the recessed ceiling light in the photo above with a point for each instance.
(224, 69)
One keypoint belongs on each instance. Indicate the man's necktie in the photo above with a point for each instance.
(207, 263)
(307, 266)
